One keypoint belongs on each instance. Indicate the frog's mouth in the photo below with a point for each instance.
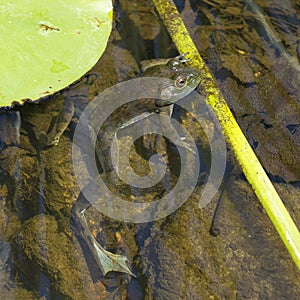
(193, 80)
(174, 93)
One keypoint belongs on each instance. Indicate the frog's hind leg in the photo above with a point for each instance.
(106, 260)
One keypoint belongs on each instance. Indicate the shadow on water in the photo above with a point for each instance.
(253, 51)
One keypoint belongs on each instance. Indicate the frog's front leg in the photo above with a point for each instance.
(57, 127)
(106, 260)
(164, 119)
(167, 130)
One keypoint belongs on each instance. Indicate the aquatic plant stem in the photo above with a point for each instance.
(246, 157)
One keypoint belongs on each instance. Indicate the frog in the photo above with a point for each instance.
(182, 78)
(171, 68)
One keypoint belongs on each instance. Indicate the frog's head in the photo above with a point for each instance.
(182, 79)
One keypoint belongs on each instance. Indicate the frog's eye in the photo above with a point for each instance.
(180, 82)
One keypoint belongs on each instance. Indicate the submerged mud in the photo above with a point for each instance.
(175, 257)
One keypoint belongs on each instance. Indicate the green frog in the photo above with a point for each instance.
(173, 68)
(182, 78)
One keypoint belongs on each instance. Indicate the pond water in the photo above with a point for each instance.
(253, 51)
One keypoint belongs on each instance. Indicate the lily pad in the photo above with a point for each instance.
(47, 45)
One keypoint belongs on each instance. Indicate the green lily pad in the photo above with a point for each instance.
(46, 45)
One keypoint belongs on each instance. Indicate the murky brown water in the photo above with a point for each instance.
(254, 56)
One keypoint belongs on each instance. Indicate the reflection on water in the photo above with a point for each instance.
(252, 48)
